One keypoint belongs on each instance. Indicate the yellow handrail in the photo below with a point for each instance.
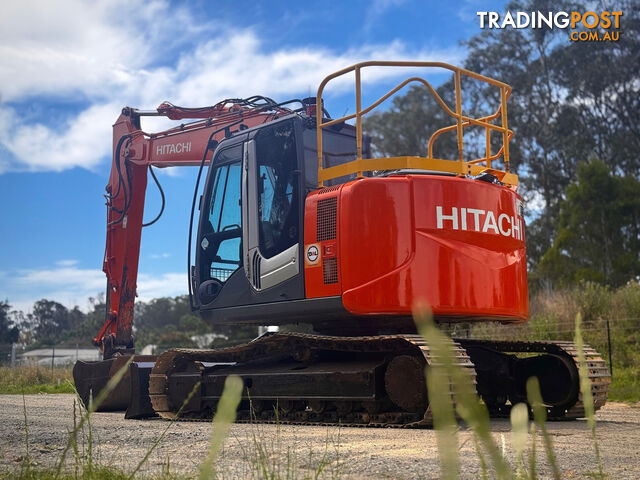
(472, 167)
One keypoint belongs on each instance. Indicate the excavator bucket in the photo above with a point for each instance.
(139, 401)
(91, 378)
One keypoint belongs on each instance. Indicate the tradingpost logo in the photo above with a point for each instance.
(585, 27)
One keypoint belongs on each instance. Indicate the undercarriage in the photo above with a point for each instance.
(360, 381)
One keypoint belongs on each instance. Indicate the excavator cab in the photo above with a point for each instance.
(249, 233)
(249, 248)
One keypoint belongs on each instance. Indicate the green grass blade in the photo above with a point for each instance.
(27, 459)
(532, 453)
(540, 417)
(94, 405)
(519, 424)
(483, 461)
(440, 398)
(446, 371)
(224, 417)
(194, 390)
(585, 390)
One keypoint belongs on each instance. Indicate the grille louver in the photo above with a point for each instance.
(326, 219)
(330, 270)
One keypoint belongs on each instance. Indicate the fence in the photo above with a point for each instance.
(616, 339)
(13, 355)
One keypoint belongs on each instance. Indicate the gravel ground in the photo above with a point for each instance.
(341, 452)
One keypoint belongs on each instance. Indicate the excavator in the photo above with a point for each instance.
(299, 222)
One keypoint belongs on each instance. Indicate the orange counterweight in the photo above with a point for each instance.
(456, 243)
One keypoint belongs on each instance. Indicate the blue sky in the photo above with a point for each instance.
(68, 67)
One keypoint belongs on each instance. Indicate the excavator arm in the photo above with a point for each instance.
(134, 152)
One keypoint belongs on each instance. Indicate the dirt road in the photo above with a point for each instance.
(340, 452)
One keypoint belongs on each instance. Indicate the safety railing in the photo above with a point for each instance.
(459, 166)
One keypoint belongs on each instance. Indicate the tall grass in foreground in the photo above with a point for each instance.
(585, 390)
(264, 457)
(451, 392)
(451, 389)
(284, 458)
(224, 417)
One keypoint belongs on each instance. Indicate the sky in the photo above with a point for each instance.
(68, 67)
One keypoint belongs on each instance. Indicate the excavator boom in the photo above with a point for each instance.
(134, 152)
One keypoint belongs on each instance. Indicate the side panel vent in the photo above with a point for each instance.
(326, 226)
(328, 190)
(330, 270)
(256, 270)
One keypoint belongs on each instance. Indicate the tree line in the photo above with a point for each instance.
(575, 112)
(164, 322)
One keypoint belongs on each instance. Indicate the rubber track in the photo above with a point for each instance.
(599, 375)
(277, 344)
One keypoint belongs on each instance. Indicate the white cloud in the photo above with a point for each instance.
(64, 282)
(116, 53)
(170, 171)
(163, 285)
(75, 47)
(66, 263)
(158, 256)
(82, 142)
(70, 285)
(535, 203)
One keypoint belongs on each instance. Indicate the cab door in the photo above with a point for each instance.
(218, 254)
(250, 226)
(272, 213)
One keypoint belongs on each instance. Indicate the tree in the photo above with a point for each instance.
(598, 230)
(93, 320)
(571, 101)
(161, 312)
(406, 127)
(51, 321)
(602, 82)
(171, 337)
(9, 332)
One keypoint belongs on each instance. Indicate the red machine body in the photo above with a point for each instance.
(300, 222)
(374, 246)
(453, 242)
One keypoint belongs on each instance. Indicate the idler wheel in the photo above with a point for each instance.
(290, 406)
(317, 406)
(372, 407)
(344, 407)
(405, 383)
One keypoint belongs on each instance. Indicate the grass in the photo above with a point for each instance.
(450, 387)
(452, 397)
(270, 455)
(264, 458)
(552, 318)
(625, 385)
(30, 380)
(98, 473)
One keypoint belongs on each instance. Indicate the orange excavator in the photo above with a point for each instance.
(297, 222)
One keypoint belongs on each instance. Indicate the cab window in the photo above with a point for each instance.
(277, 188)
